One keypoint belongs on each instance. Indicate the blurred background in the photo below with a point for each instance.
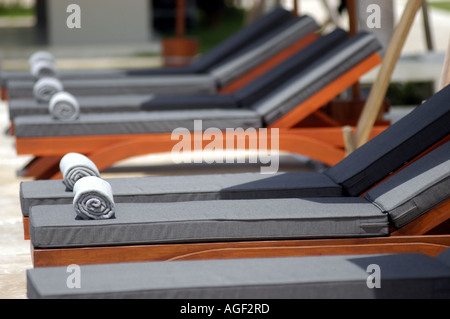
(127, 34)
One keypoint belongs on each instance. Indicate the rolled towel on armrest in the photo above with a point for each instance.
(64, 106)
(42, 69)
(75, 166)
(93, 198)
(41, 56)
(45, 88)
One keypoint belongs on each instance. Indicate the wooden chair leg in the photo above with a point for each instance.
(42, 167)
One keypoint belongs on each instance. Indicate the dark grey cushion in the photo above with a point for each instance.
(402, 276)
(189, 188)
(401, 142)
(243, 39)
(158, 84)
(415, 189)
(258, 219)
(444, 257)
(277, 76)
(135, 122)
(311, 80)
(185, 102)
(273, 43)
(88, 104)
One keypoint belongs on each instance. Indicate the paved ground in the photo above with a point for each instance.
(15, 252)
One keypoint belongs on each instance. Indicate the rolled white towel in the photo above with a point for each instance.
(93, 198)
(64, 106)
(42, 69)
(45, 88)
(76, 166)
(41, 56)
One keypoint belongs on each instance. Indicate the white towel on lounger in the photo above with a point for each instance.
(64, 106)
(93, 198)
(75, 166)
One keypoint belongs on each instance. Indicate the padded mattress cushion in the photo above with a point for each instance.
(242, 40)
(286, 70)
(189, 188)
(135, 122)
(58, 226)
(400, 143)
(416, 188)
(322, 72)
(274, 42)
(158, 84)
(88, 104)
(403, 276)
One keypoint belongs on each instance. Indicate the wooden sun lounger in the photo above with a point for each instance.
(425, 228)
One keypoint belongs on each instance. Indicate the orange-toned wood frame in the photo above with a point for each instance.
(412, 238)
(325, 144)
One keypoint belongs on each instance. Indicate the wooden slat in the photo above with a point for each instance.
(431, 245)
(379, 89)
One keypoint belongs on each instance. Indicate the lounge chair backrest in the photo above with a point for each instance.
(416, 188)
(258, 88)
(322, 72)
(426, 125)
(241, 39)
(267, 46)
(278, 75)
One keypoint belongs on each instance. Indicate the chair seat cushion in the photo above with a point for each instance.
(159, 84)
(135, 122)
(227, 220)
(189, 188)
(402, 276)
(415, 189)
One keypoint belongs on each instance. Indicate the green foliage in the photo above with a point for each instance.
(15, 11)
(409, 93)
(443, 5)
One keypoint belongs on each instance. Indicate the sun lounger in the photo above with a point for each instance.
(274, 42)
(353, 176)
(337, 277)
(415, 191)
(284, 108)
(243, 98)
(241, 40)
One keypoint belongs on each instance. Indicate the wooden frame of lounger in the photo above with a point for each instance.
(412, 238)
(324, 144)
